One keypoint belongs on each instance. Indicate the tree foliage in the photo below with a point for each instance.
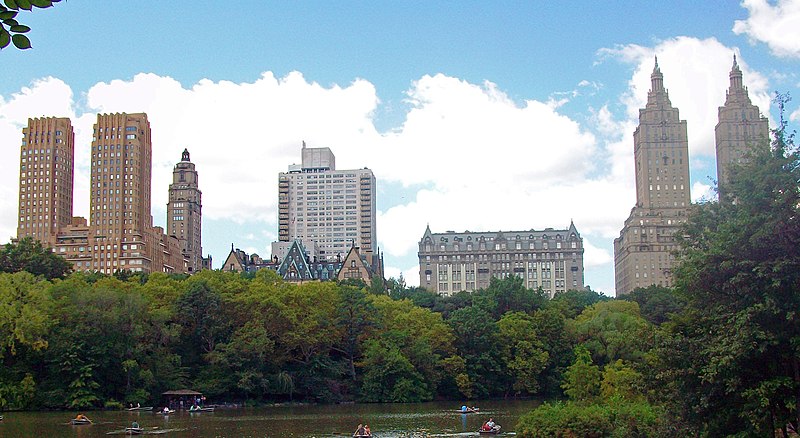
(90, 340)
(29, 255)
(12, 30)
(733, 357)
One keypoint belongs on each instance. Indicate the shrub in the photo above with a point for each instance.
(614, 419)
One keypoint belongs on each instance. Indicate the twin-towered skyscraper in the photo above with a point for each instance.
(119, 233)
(644, 251)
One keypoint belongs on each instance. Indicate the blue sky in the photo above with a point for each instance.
(473, 115)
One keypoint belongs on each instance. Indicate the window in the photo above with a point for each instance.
(130, 136)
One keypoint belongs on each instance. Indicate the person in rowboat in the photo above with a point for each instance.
(359, 430)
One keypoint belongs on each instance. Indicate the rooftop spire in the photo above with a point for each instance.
(735, 76)
(656, 78)
(185, 155)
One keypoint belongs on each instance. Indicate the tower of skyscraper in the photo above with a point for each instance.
(644, 251)
(740, 128)
(46, 171)
(119, 234)
(184, 211)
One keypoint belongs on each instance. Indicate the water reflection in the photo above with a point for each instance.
(419, 420)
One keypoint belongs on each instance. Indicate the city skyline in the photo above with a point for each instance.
(472, 117)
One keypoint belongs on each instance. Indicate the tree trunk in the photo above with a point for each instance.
(796, 369)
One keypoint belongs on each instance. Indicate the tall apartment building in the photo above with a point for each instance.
(334, 209)
(740, 128)
(46, 171)
(119, 234)
(643, 251)
(452, 262)
(184, 211)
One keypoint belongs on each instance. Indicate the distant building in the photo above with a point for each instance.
(46, 172)
(643, 253)
(184, 211)
(452, 262)
(297, 266)
(334, 209)
(358, 266)
(740, 129)
(119, 233)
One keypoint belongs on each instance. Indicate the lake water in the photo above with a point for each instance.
(435, 419)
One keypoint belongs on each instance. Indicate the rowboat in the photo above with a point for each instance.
(468, 410)
(80, 421)
(493, 431)
(142, 408)
(199, 409)
(171, 411)
(134, 430)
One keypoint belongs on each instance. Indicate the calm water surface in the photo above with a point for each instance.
(435, 419)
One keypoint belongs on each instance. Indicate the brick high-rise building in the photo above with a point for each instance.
(741, 128)
(332, 209)
(643, 251)
(452, 262)
(119, 234)
(184, 211)
(120, 192)
(46, 170)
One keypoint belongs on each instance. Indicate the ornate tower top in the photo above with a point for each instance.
(656, 78)
(185, 156)
(736, 76)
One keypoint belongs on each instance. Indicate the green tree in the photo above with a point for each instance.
(510, 295)
(572, 302)
(29, 255)
(10, 29)
(733, 358)
(477, 342)
(551, 327)
(621, 380)
(522, 351)
(656, 303)
(613, 330)
(421, 336)
(582, 378)
(24, 312)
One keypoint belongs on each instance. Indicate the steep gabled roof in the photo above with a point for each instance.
(294, 266)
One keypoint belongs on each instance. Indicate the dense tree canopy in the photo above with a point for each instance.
(88, 340)
(732, 357)
(29, 255)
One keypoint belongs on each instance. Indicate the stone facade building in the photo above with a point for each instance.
(643, 253)
(185, 211)
(452, 262)
(740, 128)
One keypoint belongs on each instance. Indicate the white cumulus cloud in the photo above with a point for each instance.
(775, 24)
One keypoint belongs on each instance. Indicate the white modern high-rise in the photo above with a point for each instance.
(330, 209)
